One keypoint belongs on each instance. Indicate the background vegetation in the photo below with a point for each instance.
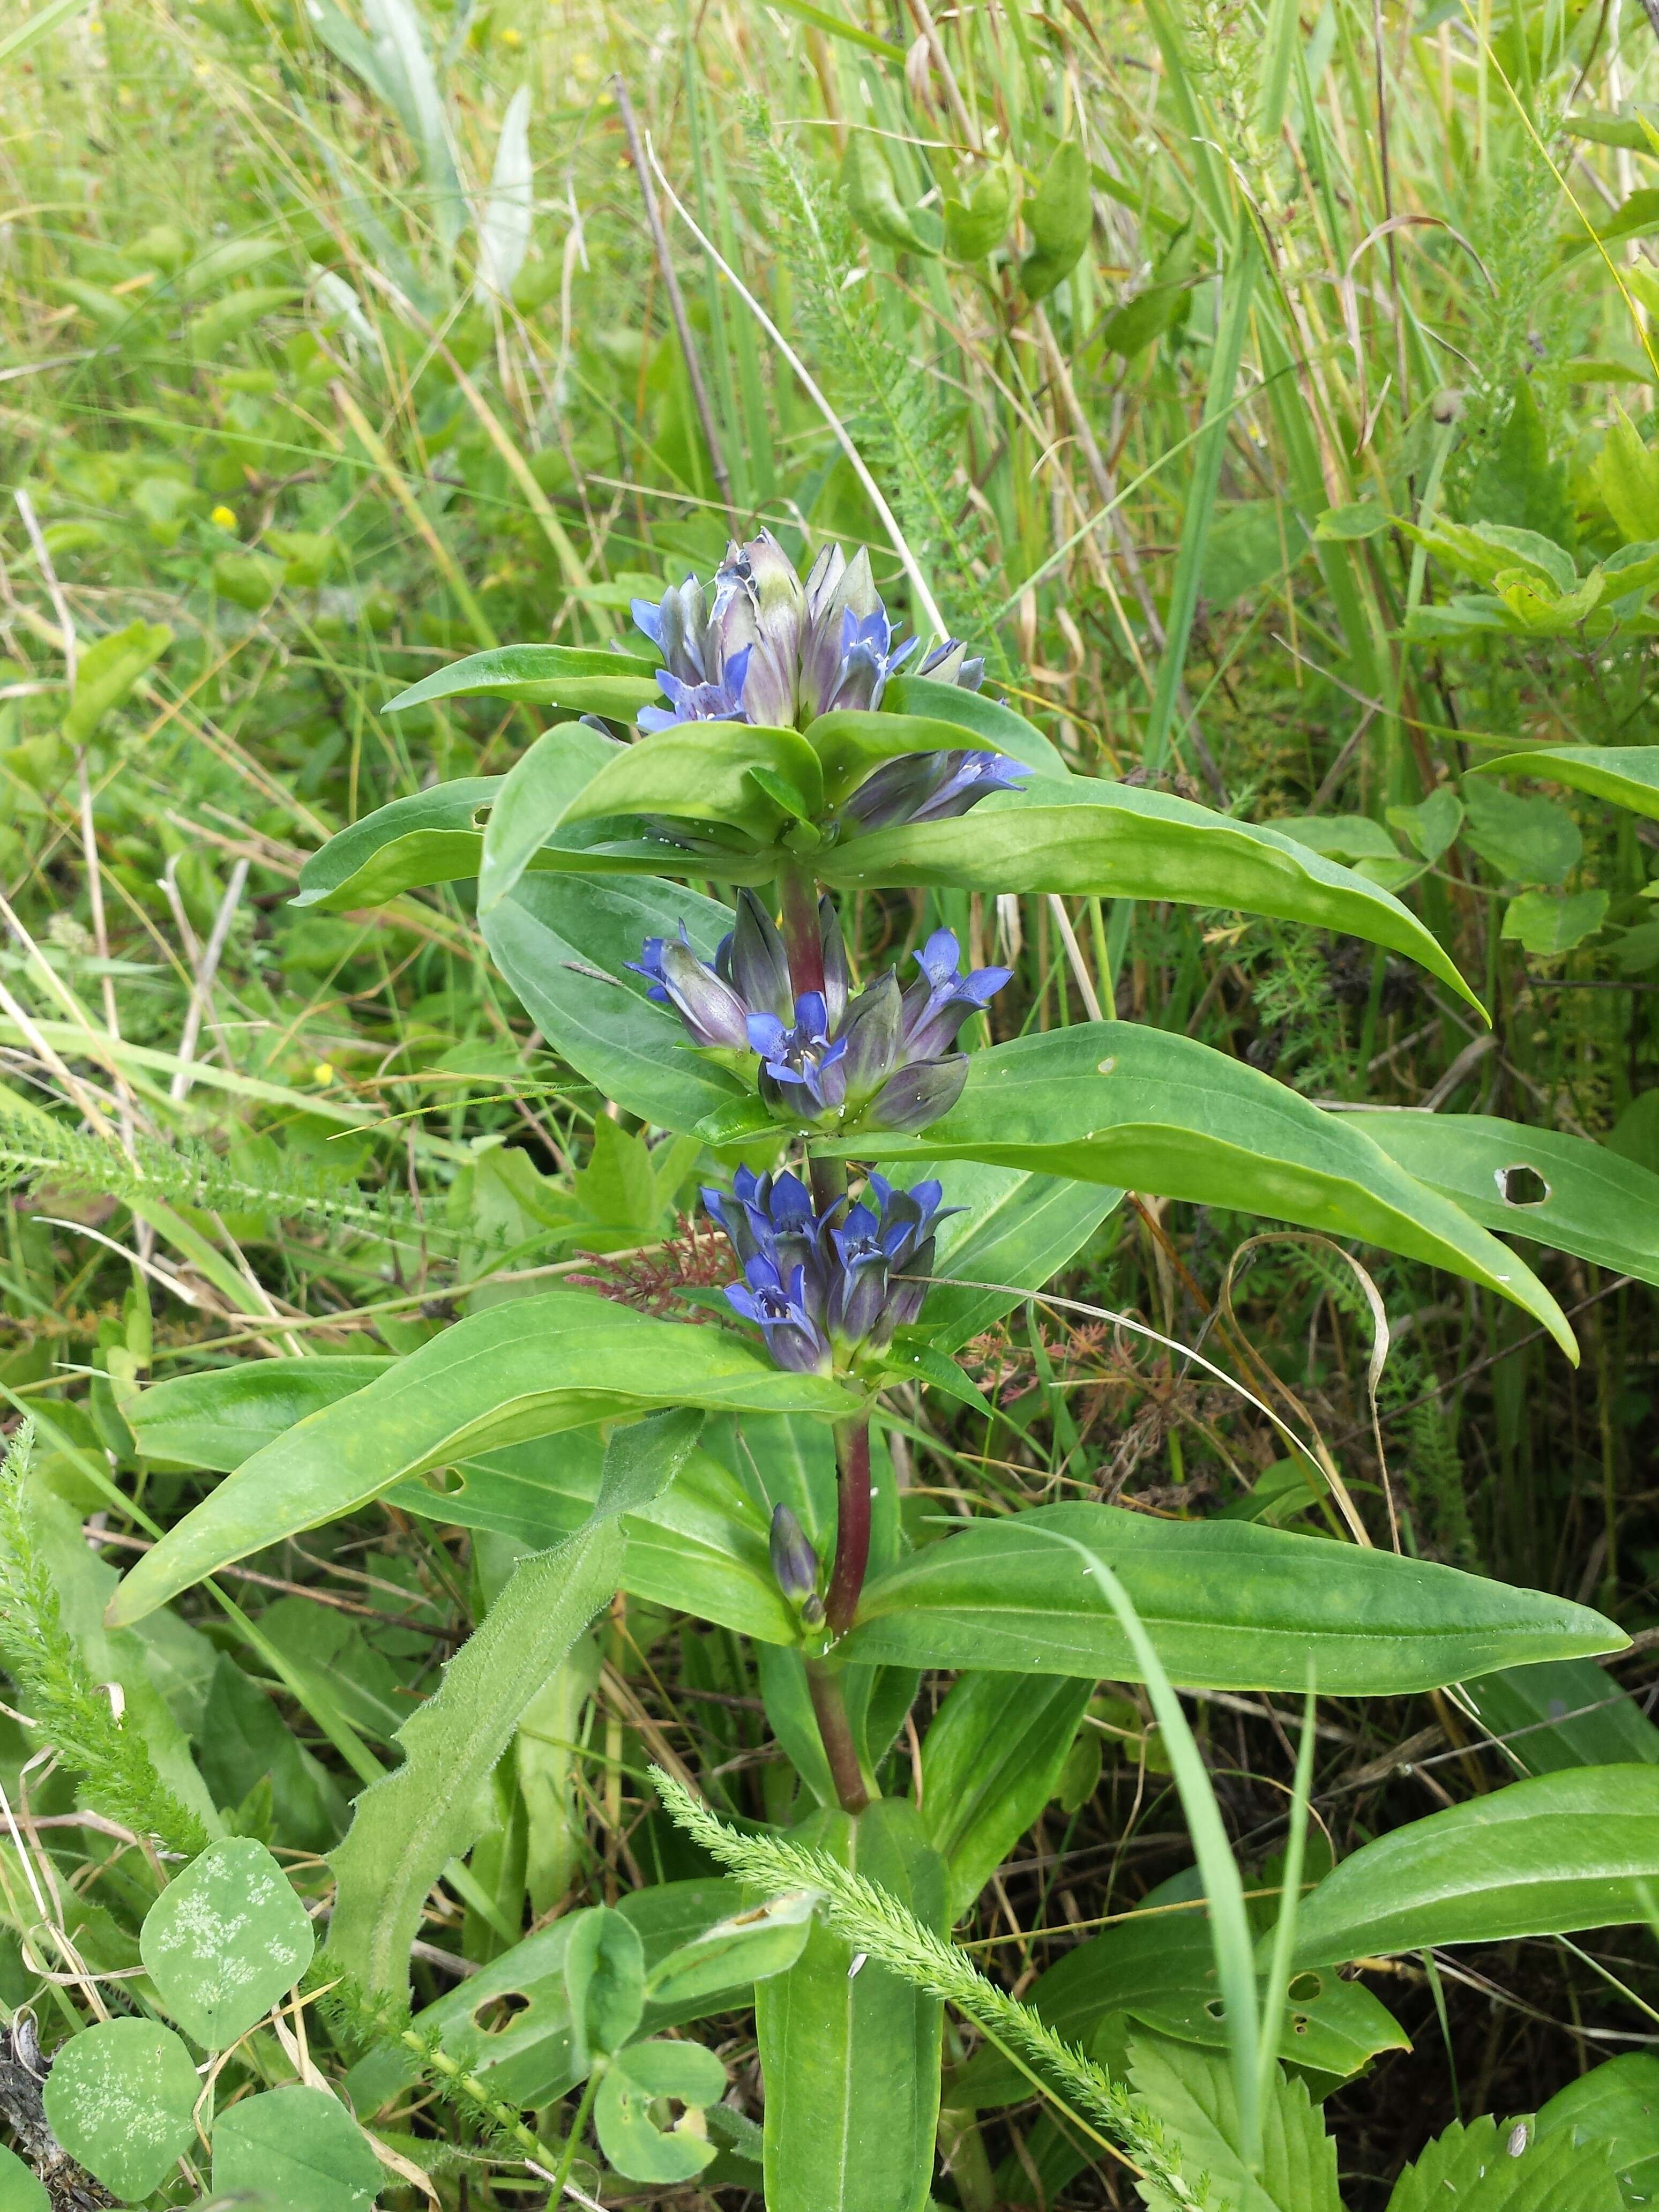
(337, 346)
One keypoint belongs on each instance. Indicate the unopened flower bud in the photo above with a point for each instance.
(794, 1562)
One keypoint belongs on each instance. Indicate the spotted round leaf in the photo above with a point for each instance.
(295, 2147)
(225, 1940)
(120, 2097)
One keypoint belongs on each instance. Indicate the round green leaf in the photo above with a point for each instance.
(120, 2097)
(605, 1981)
(295, 2148)
(225, 1940)
(630, 2137)
(21, 2189)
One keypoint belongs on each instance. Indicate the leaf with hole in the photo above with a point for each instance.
(295, 2147)
(1227, 1604)
(530, 1367)
(1090, 836)
(1575, 1850)
(629, 2136)
(121, 2097)
(225, 1940)
(1569, 1192)
(1121, 1103)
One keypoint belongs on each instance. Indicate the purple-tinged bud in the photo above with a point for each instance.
(918, 1095)
(952, 663)
(711, 1009)
(758, 961)
(871, 1031)
(795, 1565)
(930, 787)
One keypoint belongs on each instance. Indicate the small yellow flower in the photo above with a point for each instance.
(511, 37)
(322, 1073)
(224, 516)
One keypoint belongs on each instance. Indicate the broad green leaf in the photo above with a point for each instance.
(530, 1367)
(225, 1940)
(1507, 2167)
(108, 671)
(604, 1983)
(581, 677)
(989, 1766)
(699, 772)
(295, 2147)
(630, 2137)
(1560, 1189)
(1547, 924)
(701, 1548)
(1432, 826)
(1158, 1968)
(1014, 1228)
(751, 1946)
(510, 2022)
(1090, 836)
(1627, 477)
(431, 838)
(1627, 776)
(21, 2188)
(1615, 2104)
(1526, 840)
(1227, 1604)
(1487, 550)
(1566, 1712)
(1575, 1850)
(995, 725)
(120, 2097)
(1120, 1103)
(851, 2061)
(407, 1827)
(532, 795)
(1192, 2092)
(555, 940)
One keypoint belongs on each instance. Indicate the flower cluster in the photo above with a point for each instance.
(883, 1057)
(762, 646)
(823, 1287)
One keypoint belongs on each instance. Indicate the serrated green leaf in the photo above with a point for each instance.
(1489, 2168)
(1615, 2104)
(1192, 2092)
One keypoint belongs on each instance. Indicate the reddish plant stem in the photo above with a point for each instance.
(836, 1735)
(803, 937)
(852, 1523)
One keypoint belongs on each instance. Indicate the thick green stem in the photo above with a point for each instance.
(851, 1521)
(836, 1734)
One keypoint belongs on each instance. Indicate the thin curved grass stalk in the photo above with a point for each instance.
(880, 1927)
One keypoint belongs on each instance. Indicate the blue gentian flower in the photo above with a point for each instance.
(941, 998)
(802, 1054)
(823, 1288)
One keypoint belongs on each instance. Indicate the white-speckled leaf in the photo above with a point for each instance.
(225, 1940)
(119, 2098)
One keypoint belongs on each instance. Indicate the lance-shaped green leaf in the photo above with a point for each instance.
(587, 681)
(437, 836)
(1627, 775)
(527, 1368)
(1576, 1849)
(1566, 1191)
(850, 2058)
(700, 772)
(1117, 1102)
(1013, 1229)
(222, 1415)
(557, 939)
(1230, 1605)
(1089, 837)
